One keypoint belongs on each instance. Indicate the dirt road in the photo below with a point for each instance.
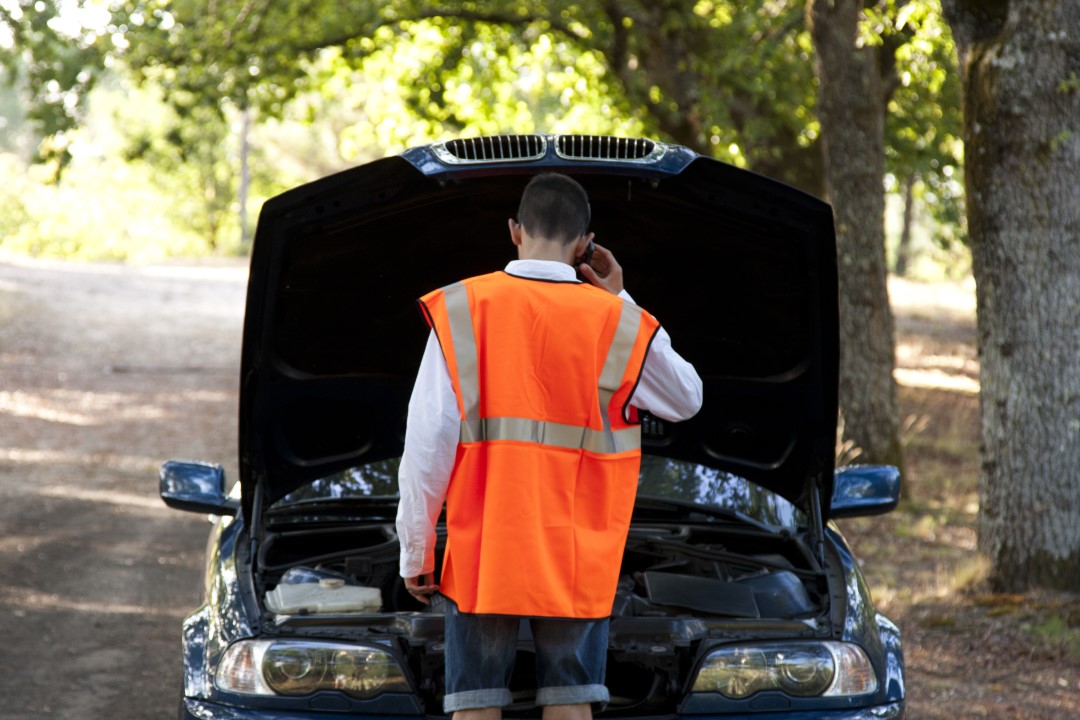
(104, 372)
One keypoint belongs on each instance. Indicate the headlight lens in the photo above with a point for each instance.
(804, 672)
(829, 669)
(268, 667)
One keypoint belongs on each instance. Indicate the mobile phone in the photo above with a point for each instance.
(586, 256)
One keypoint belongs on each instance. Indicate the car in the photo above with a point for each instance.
(738, 596)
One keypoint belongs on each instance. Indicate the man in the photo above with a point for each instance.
(523, 419)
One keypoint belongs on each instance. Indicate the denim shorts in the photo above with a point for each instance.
(571, 658)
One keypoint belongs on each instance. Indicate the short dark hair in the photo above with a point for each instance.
(554, 207)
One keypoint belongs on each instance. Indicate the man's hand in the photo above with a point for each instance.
(421, 592)
(603, 271)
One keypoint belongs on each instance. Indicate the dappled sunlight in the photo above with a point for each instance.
(89, 408)
(110, 497)
(28, 405)
(936, 379)
(935, 344)
(77, 407)
(25, 599)
(47, 457)
(944, 299)
(965, 647)
(915, 555)
(230, 270)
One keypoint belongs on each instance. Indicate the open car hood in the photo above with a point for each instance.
(739, 268)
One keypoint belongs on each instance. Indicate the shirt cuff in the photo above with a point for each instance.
(414, 563)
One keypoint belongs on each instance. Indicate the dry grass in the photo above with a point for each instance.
(970, 653)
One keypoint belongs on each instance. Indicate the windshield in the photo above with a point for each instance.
(660, 477)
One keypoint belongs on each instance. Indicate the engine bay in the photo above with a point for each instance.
(681, 585)
(667, 570)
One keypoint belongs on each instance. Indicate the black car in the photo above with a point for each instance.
(738, 597)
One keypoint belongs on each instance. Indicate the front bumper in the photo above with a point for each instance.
(202, 710)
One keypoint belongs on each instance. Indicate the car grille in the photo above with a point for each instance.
(492, 147)
(521, 148)
(605, 147)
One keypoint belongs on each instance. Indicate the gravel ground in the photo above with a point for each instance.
(105, 371)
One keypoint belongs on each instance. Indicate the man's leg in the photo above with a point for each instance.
(488, 713)
(582, 711)
(571, 660)
(480, 652)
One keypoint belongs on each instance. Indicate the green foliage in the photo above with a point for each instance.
(539, 86)
(1058, 631)
(924, 121)
(1069, 85)
(104, 209)
(17, 135)
(54, 60)
(192, 153)
(734, 80)
(133, 190)
(729, 79)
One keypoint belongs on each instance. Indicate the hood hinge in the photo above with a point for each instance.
(255, 528)
(817, 525)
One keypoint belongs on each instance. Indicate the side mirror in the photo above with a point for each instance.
(196, 487)
(861, 490)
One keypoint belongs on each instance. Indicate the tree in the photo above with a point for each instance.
(852, 110)
(884, 107)
(923, 123)
(732, 80)
(1021, 75)
(54, 62)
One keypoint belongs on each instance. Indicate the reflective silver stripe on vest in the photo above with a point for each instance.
(477, 429)
(464, 339)
(552, 433)
(618, 358)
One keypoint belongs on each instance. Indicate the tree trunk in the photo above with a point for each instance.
(903, 248)
(852, 113)
(1021, 70)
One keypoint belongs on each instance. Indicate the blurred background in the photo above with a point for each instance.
(139, 138)
(148, 130)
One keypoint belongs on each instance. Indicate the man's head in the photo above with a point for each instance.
(554, 207)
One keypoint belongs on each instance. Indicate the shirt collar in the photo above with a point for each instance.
(542, 270)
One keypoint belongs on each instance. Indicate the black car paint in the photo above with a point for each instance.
(230, 614)
(332, 336)
(307, 409)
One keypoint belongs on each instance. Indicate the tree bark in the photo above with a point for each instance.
(851, 108)
(1020, 61)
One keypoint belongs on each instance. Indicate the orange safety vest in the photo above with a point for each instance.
(544, 480)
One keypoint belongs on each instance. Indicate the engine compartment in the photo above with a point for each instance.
(668, 570)
(681, 585)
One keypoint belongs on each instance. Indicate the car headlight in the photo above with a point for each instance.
(814, 669)
(292, 667)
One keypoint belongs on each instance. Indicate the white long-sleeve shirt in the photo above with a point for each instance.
(669, 388)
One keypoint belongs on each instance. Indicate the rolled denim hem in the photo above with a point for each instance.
(572, 695)
(476, 699)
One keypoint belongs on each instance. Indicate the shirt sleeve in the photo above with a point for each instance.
(670, 387)
(431, 436)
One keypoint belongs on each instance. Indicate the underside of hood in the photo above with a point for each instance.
(740, 269)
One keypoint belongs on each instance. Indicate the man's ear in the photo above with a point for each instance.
(515, 232)
(581, 244)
